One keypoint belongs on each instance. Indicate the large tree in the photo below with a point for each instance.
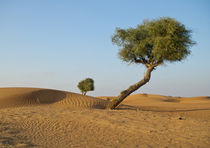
(86, 85)
(152, 43)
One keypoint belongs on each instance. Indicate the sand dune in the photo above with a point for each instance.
(45, 118)
(165, 103)
(17, 97)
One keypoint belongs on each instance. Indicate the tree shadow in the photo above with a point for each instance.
(126, 107)
(155, 109)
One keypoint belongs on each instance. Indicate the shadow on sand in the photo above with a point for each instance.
(46, 96)
(156, 109)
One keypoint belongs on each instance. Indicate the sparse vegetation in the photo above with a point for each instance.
(152, 43)
(86, 85)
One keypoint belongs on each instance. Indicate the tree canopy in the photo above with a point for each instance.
(154, 42)
(86, 85)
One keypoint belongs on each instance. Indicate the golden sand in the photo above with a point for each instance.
(42, 118)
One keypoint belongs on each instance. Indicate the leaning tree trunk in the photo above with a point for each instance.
(131, 89)
(84, 93)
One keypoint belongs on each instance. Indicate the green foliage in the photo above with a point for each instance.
(154, 42)
(86, 85)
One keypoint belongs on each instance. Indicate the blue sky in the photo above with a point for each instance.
(55, 44)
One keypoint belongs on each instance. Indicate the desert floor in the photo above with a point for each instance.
(44, 118)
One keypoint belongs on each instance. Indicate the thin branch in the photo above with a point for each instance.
(142, 60)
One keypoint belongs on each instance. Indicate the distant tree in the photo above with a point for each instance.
(152, 43)
(86, 85)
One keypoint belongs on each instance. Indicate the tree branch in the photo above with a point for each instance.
(142, 60)
(155, 64)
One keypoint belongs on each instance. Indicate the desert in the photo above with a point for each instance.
(34, 117)
(104, 74)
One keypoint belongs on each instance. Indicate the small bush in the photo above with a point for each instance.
(86, 85)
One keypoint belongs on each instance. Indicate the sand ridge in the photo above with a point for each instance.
(164, 103)
(17, 97)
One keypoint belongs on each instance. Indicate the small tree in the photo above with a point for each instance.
(152, 43)
(86, 85)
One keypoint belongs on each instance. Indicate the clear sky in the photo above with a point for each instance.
(56, 43)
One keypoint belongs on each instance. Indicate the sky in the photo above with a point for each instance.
(57, 43)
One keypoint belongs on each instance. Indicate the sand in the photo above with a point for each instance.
(42, 118)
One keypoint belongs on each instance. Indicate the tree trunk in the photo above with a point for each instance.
(84, 93)
(131, 89)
